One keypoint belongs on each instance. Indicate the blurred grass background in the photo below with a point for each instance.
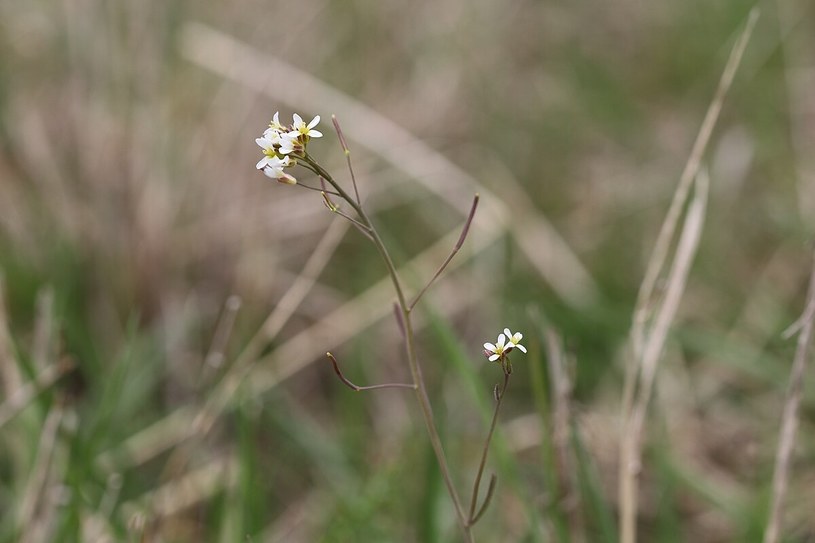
(193, 299)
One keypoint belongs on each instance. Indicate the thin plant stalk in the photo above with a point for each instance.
(413, 362)
(473, 517)
(347, 153)
(455, 250)
(358, 388)
(789, 421)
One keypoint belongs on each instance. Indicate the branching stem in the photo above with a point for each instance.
(455, 250)
(473, 517)
(413, 362)
(358, 388)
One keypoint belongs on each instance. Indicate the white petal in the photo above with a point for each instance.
(270, 172)
(262, 163)
(297, 119)
(315, 133)
(517, 337)
(493, 358)
(314, 122)
(490, 347)
(507, 332)
(521, 347)
(262, 142)
(276, 118)
(501, 340)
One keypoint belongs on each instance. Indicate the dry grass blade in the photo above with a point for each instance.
(642, 366)
(281, 314)
(789, 420)
(297, 522)
(96, 524)
(189, 421)
(9, 372)
(232, 59)
(43, 351)
(184, 492)
(633, 422)
(35, 487)
(27, 392)
(562, 422)
(215, 356)
(799, 75)
(666, 233)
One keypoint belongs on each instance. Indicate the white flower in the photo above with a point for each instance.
(299, 128)
(273, 167)
(504, 345)
(275, 124)
(267, 142)
(288, 143)
(494, 352)
(515, 340)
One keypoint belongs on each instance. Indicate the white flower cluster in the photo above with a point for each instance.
(278, 142)
(501, 349)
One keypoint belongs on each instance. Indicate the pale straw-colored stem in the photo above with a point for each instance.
(632, 416)
(789, 420)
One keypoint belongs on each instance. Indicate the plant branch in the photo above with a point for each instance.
(331, 192)
(473, 517)
(487, 500)
(347, 152)
(455, 250)
(413, 362)
(358, 388)
(332, 207)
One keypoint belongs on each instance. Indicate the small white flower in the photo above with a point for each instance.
(494, 352)
(268, 142)
(288, 143)
(504, 345)
(275, 124)
(515, 340)
(300, 128)
(273, 167)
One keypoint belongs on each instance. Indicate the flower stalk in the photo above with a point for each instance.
(286, 146)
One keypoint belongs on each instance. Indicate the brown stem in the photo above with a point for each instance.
(347, 155)
(474, 498)
(413, 362)
(487, 499)
(455, 250)
(358, 388)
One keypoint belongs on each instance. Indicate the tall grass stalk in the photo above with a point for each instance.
(789, 420)
(650, 324)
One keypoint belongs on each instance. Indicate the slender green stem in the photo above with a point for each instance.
(413, 362)
(472, 518)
